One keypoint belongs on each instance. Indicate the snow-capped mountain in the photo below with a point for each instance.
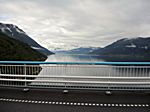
(80, 50)
(127, 49)
(15, 32)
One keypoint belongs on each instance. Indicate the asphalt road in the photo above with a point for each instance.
(50, 100)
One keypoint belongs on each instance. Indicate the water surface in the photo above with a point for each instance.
(89, 70)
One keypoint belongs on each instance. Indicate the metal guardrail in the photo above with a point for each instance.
(74, 63)
(76, 75)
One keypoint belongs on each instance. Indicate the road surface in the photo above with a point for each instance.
(51, 100)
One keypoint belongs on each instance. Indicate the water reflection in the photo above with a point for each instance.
(73, 58)
(90, 70)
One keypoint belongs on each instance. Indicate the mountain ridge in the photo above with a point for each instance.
(15, 50)
(80, 50)
(126, 49)
(15, 32)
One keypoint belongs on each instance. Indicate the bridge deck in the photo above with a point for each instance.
(50, 100)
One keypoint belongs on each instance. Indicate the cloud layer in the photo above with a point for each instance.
(71, 23)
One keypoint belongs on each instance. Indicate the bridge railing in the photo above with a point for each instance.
(76, 75)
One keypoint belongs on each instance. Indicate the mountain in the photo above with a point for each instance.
(80, 50)
(15, 50)
(18, 34)
(135, 49)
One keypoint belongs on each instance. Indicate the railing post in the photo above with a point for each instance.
(108, 92)
(65, 84)
(25, 73)
(25, 78)
(109, 78)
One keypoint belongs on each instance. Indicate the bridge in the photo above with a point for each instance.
(85, 81)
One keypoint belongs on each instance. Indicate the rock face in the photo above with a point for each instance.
(136, 49)
(15, 50)
(18, 34)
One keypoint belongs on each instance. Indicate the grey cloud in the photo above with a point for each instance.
(69, 23)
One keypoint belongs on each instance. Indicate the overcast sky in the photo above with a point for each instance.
(78, 23)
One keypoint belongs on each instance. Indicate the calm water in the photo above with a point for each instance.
(72, 58)
(89, 70)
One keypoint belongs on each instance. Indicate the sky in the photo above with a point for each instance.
(67, 24)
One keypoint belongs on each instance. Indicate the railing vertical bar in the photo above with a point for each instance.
(25, 74)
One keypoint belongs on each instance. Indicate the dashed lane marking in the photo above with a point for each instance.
(73, 103)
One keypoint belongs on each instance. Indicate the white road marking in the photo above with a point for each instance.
(73, 103)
